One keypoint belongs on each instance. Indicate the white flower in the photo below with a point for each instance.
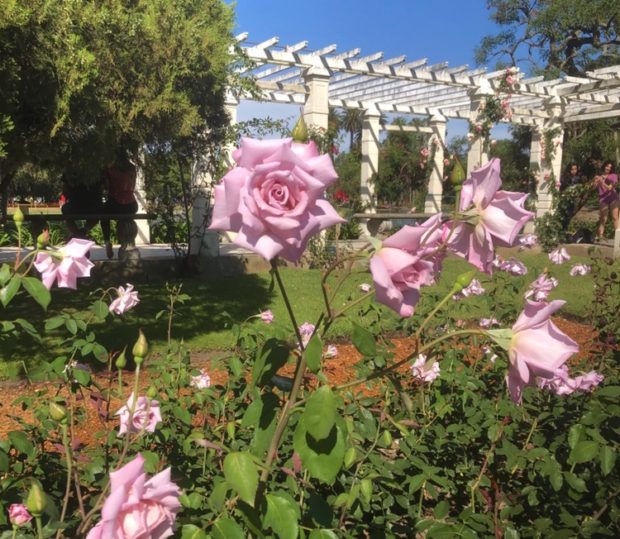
(331, 352)
(201, 381)
(422, 371)
(365, 287)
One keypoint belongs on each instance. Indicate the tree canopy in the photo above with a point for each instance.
(554, 36)
(78, 79)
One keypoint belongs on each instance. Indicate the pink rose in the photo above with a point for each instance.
(579, 269)
(514, 266)
(563, 384)
(423, 371)
(66, 264)
(405, 262)
(491, 217)
(145, 415)
(19, 515)
(201, 381)
(127, 299)
(274, 198)
(541, 287)
(537, 348)
(331, 352)
(266, 316)
(138, 507)
(306, 331)
(559, 256)
(528, 240)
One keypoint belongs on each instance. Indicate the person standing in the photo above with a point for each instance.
(120, 182)
(609, 201)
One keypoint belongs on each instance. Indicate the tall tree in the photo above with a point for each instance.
(79, 78)
(554, 36)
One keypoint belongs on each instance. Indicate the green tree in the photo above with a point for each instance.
(78, 79)
(554, 36)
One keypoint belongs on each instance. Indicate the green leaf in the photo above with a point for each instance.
(37, 290)
(4, 461)
(5, 274)
(441, 510)
(241, 475)
(189, 531)
(272, 356)
(556, 479)
(262, 414)
(322, 534)
(7, 293)
(100, 309)
(226, 528)
(71, 326)
(320, 413)
(282, 515)
(575, 482)
(575, 434)
(323, 459)
(313, 353)
(100, 352)
(608, 459)
(363, 341)
(583, 452)
(82, 376)
(609, 391)
(20, 441)
(54, 323)
(502, 337)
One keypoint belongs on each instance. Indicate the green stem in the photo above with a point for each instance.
(527, 441)
(37, 519)
(289, 308)
(437, 307)
(69, 461)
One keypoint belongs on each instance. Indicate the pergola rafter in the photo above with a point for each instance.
(324, 78)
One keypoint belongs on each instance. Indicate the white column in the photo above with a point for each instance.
(370, 159)
(144, 231)
(432, 204)
(478, 153)
(316, 108)
(550, 156)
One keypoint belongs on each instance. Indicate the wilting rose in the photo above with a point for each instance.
(541, 287)
(274, 198)
(579, 269)
(559, 256)
(126, 299)
(145, 415)
(201, 381)
(138, 507)
(66, 265)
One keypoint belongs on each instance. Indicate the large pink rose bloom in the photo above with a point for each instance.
(537, 348)
(67, 265)
(406, 261)
(274, 198)
(137, 507)
(493, 217)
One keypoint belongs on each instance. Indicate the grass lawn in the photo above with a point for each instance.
(204, 322)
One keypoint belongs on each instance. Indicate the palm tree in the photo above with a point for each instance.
(352, 122)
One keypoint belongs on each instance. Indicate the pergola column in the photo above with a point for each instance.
(316, 108)
(432, 204)
(370, 158)
(478, 153)
(549, 154)
(144, 231)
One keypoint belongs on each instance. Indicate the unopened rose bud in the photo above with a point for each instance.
(43, 239)
(300, 131)
(140, 349)
(57, 412)
(457, 175)
(121, 360)
(18, 217)
(37, 500)
(463, 281)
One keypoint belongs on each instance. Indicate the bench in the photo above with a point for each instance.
(373, 221)
(126, 228)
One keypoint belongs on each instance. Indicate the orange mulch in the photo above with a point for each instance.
(338, 371)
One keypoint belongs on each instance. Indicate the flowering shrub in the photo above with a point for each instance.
(481, 430)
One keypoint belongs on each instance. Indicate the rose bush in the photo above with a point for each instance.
(432, 443)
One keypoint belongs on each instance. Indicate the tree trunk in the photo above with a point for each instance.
(5, 182)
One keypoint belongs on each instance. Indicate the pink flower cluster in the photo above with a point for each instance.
(138, 507)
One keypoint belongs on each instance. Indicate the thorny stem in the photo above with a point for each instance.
(527, 441)
(485, 464)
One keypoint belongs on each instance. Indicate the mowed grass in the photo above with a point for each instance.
(204, 322)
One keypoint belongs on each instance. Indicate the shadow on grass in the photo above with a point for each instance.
(213, 306)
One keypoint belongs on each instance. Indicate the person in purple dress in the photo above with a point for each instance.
(609, 201)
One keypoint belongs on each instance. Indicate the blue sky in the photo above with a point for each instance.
(440, 30)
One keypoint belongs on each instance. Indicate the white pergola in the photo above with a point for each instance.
(324, 78)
